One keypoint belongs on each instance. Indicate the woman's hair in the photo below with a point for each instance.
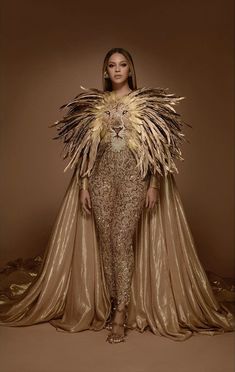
(107, 85)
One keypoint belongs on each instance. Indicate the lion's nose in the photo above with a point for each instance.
(117, 129)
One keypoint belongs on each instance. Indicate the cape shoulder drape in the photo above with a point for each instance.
(170, 292)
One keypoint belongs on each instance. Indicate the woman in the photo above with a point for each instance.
(121, 253)
(117, 195)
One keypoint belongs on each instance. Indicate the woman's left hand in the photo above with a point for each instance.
(151, 197)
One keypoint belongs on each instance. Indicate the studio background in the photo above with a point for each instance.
(50, 48)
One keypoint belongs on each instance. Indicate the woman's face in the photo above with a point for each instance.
(118, 68)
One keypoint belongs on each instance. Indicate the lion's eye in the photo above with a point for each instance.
(107, 112)
(124, 112)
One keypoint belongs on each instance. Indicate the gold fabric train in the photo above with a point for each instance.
(170, 295)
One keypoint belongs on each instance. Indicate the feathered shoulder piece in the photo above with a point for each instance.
(145, 120)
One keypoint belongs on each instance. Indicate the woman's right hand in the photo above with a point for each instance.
(85, 201)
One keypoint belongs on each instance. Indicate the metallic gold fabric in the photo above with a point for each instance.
(84, 184)
(170, 292)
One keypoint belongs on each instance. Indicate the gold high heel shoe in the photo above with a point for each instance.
(115, 337)
(109, 323)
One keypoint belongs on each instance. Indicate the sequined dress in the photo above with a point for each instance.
(118, 194)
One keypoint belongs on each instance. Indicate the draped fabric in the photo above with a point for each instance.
(170, 293)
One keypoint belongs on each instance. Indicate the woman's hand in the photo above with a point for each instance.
(151, 197)
(85, 201)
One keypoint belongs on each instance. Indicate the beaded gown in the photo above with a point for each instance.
(121, 251)
(117, 196)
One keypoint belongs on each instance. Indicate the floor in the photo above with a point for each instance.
(40, 348)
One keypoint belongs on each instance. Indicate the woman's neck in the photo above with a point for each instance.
(121, 90)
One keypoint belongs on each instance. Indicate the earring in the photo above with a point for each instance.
(106, 75)
(129, 73)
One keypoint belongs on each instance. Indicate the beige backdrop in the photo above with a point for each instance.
(50, 48)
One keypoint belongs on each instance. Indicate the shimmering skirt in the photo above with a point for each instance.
(117, 195)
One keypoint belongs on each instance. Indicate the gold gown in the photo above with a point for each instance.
(170, 292)
(122, 250)
(117, 196)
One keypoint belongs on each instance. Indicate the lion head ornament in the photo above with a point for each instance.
(115, 122)
(144, 120)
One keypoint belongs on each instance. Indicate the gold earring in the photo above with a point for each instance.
(106, 75)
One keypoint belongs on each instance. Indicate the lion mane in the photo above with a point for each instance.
(145, 118)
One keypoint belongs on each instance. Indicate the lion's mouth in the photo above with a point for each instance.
(117, 136)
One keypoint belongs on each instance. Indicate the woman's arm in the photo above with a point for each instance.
(154, 181)
(84, 195)
(153, 190)
(84, 183)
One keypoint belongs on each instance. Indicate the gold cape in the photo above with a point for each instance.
(170, 294)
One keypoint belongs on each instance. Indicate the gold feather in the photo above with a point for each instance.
(154, 130)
